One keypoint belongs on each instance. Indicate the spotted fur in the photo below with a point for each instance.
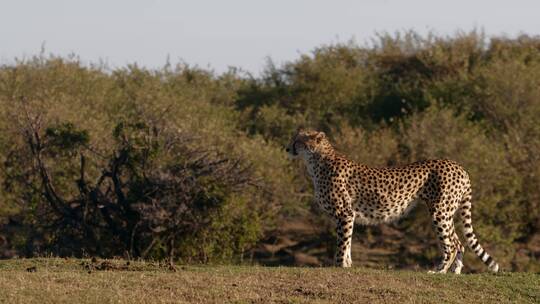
(352, 192)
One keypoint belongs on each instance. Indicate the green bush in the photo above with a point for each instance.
(400, 99)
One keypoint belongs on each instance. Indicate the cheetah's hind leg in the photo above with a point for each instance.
(445, 264)
(449, 250)
(458, 262)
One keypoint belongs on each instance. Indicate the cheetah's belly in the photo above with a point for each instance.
(371, 213)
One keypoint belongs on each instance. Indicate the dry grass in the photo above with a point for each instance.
(75, 281)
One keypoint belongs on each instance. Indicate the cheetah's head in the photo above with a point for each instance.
(308, 142)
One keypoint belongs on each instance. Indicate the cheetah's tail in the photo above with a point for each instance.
(472, 241)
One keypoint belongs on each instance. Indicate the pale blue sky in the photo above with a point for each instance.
(241, 33)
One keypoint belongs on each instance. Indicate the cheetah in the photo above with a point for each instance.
(352, 192)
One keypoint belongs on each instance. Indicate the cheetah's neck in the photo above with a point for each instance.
(316, 164)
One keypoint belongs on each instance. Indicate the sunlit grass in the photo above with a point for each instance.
(69, 281)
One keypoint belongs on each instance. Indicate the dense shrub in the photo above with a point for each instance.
(407, 98)
(199, 156)
(99, 163)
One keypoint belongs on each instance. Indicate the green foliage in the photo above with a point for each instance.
(407, 98)
(125, 122)
(400, 99)
(66, 137)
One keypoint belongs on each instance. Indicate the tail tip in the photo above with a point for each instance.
(494, 268)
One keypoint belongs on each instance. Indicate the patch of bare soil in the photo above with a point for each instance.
(122, 265)
(311, 242)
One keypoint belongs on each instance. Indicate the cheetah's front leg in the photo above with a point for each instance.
(344, 239)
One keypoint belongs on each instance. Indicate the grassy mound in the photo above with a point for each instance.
(89, 281)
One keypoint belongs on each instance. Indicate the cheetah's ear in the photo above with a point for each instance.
(319, 137)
